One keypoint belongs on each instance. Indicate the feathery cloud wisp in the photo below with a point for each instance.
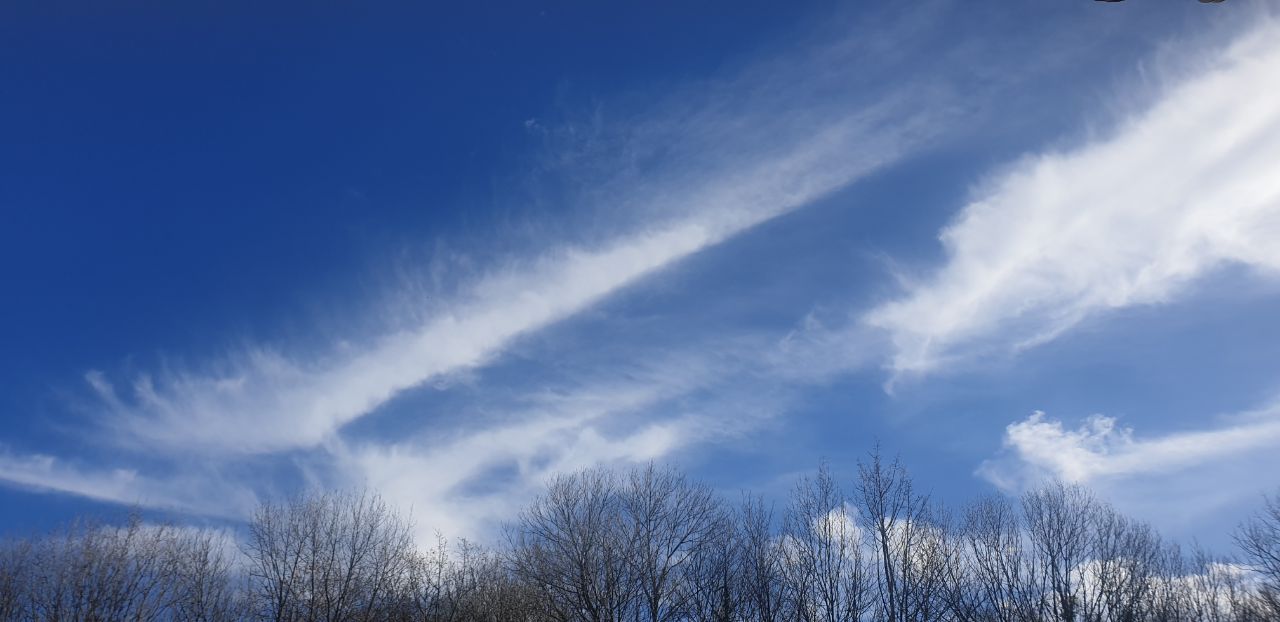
(267, 401)
(201, 495)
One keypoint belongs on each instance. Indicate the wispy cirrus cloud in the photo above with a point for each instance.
(707, 164)
(1176, 191)
(723, 177)
(201, 494)
(703, 164)
(464, 481)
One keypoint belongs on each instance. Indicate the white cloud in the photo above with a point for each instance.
(432, 482)
(463, 483)
(729, 155)
(840, 524)
(1100, 449)
(1188, 482)
(203, 494)
(747, 151)
(1179, 190)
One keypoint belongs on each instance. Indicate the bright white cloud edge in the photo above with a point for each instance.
(1179, 190)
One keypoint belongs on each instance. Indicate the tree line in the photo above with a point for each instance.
(653, 545)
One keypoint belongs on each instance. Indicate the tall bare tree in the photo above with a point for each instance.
(332, 557)
(991, 577)
(762, 568)
(652, 545)
(206, 586)
(1259, 539)
(673, 521)
(133, 571)
(1123, 570)
(1059, 518)
(573, 547)
(908, 541)
(711, 579)
(826, 572)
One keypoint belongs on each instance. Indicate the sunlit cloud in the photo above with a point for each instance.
(722, 178)
(1137, 217)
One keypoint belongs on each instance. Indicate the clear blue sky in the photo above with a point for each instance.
(252, 249)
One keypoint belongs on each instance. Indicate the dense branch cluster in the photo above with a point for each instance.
(652, 545)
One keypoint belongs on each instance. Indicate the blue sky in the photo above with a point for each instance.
(253, 251)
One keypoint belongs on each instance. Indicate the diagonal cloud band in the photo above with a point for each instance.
(766, 157)
(1183, 188)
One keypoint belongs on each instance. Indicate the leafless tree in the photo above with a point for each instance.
(826, 572)
(97, 572)
(991, 577)
(908, 540)
(206, 588)
(1123, 568)
(1259, 540)
(461, 584)
(573, 548)
(424, 593)
(652, 545)
(91, 571)
(673, 521)
(15, 571)
(710, 580)
(761, 564)
(1200, 588)
(331, 557)
(1058, 523)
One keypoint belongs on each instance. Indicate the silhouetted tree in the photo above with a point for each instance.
(761, 564)
(331, 557)
(908, 540)
(825, 569)
(573, 547)
(1259, 539)
(652, 545)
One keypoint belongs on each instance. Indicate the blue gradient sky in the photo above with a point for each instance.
(253, 250)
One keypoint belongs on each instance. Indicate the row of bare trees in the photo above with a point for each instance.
(652, 545)
(134, 571)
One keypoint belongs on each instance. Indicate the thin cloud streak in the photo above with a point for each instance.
(753, 149)
(184, 493)
(779, 135)
(270, 401)
(480, 476)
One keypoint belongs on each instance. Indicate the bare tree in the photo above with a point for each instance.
(1259, 539)
(331, 557)
(1058, 522)
(91, 571)
(1199, 588)
(991, 577)
(654, 546)
(673, 521)
(205, 586)
(572, 547)
(1123, 568)
(762, 570)
(15, 571)
(908, 541)
(463, 584)
(710, 580)
(826, 573)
